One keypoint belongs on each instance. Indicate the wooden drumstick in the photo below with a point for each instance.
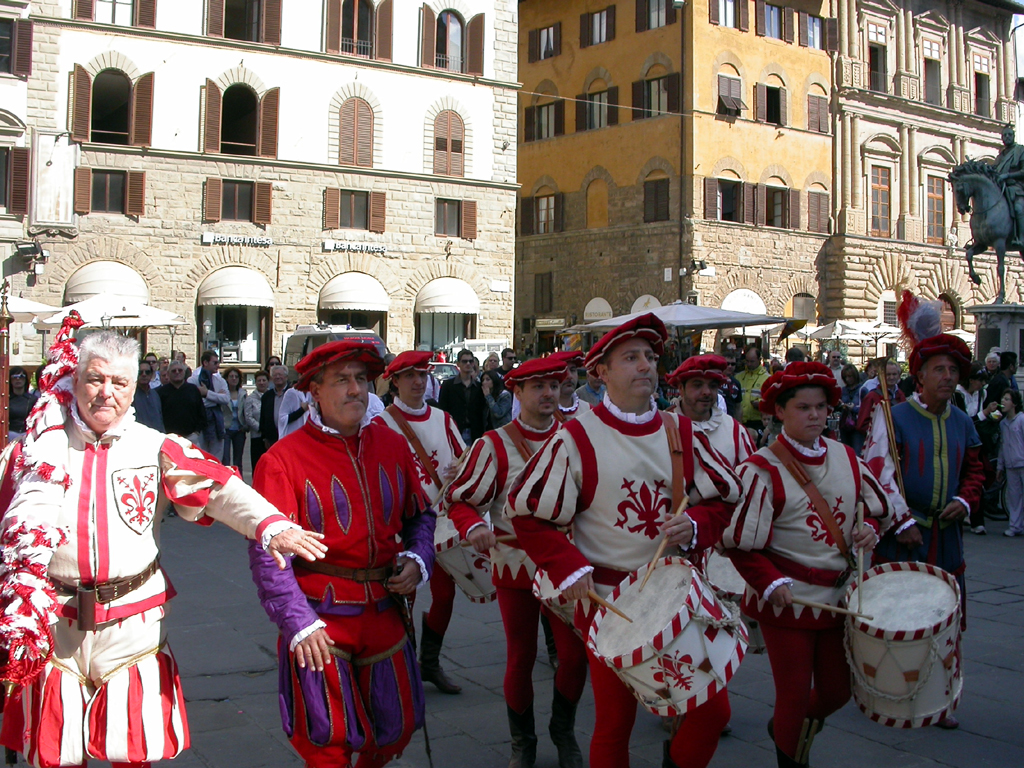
(596, 598)
(831, 608)
(507, 539)
(664, 543)
(860, 559)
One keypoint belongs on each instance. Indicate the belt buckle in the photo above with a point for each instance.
(86, 608)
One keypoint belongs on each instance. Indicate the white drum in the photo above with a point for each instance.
(683, 646)
(906, 663)
(469, 569)
(729, 586)
(552, 598)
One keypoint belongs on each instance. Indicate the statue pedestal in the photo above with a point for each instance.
(999, 325)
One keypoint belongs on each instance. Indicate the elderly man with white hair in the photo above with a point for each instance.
(82, 593)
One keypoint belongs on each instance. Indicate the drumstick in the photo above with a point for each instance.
(860, 559)
(500, 539)
(831, 608)
(664, 543)
(596, 598)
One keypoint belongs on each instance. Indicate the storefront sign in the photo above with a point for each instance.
(549, 323)
(211, 238)
(332, 246)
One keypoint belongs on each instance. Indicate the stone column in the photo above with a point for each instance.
(842, 12)
(915, 183)
(847, 165)
(901, 42)
(852, 32)
(855, 170)
(904, 172)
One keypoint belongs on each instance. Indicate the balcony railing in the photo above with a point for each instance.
(878, 82)
(451, 63)
(356, 47)
(982, 106)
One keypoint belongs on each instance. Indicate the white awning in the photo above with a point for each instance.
(355, 290)
(236, 287)
(106, 277)
(447, 295)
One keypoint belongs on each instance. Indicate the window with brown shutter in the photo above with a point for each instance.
(609, 23)
(584, 30)
(272, 22)
(543, 293)
(475, 35)
(385, 24)
(84, 9)
(803, 20)
(135, 194)
(529, 124)
(527, 208)
(613, 105)
(142, 111)
(378, 211)
(818, 212)
(269, 106)
(760, 102)
(656, 200)
(673, 83)
(533, 46)
(641, 15)
(332, 33)
(262, 208)
(743, 15)
(215, 19)
(812, 112)
(429, 42)
(639, 100)
(449, 137)
(81, 107)
(213, 199)
(469, 219)
(793, 209)
(713, 14)
(211, 122)
(759, 18)
(560, 117)
(83, 191)
(332, 208)
(760, 202)
(788, 24)
(560, 212)
(581, 112)
(21, 48)
(832, 35)
(145, 14)
(19, 161)
(711, 198)
(730, 100)
(783, 107)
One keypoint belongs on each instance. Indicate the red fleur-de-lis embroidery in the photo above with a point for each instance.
(676, 671)
(819, 532)
(425, 478)
(137, 500)
(648, 508)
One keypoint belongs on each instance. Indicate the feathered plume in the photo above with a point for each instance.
(919, 320)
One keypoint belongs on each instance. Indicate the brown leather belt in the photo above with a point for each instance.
(361, 575)
(107, 592)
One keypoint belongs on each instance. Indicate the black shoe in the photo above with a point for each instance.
(430, 661)
(563, 732)
(785, 761)
(666, 755)
(524, 738)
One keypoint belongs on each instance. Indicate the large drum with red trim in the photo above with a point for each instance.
(551, 597)
(729, 586)
(470, 569)
(683, 644)
(906, 662)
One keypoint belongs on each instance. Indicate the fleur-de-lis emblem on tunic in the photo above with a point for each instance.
(135, 493)
(647, 508)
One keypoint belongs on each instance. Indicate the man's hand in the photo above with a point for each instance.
(448, 472)
(678, 531)
(406, 578)
(482, 538)
(203, 390)
(955, 510)
(911, 537)
(296, 541)
(865, 538)
(314, 650)
(781, 596)
(579, 589)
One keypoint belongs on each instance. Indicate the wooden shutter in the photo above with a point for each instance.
(135, 194)
(20, 159)
(272, 22)
(457, 146)
(641, 15)
(609, 23)
(84, 10)
(713, 16)
(749, 203)
(378, 211)
(385, 27)
(560, 117)
(670, 12)
(270, 106)
(441, 144)
(333, 26)
(585, 30)
(650, 201)
(559, 212)
(21, 60)
(760, 102)
(824, 212)
(793, 209)
(81, 106)
(760, 203)
(332, 208)
(83, 191)
(813, 221)
(812, 112)
(710, 198)
(263, 202)
(736, 89)
(215, 22)
(639, 108)
(529, 124)
(145, 13)
(743, 15)
(469, 219)
(581, 112)
(364, 134)
(804, 21)
(533, 46)
(142, 111)
(613, 105)
(832, 35)
(429, 41)
(783, 107)
(475, 33)
(556, 39)
(823, 114)
(724, 87)
(788, 24)
(347, 133)
(213, 200)
(211, 125)
(674, 84)
(526, 216)
(759, 17)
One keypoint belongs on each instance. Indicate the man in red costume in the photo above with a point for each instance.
(349, 680)
(479, 492)
(615, 476)
(569, 403)
(436, 445)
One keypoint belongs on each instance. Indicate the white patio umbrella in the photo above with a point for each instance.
(26, 310)
(689, 317)
(114, 311)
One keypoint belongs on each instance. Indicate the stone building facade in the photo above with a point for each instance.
(351, 161)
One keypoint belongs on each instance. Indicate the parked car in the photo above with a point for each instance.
(308, 337)
(444, 371)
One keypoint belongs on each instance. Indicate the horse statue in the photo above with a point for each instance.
(978, 190)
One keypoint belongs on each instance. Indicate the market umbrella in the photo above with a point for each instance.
(26, 310)
(689, 317)
(114, 311)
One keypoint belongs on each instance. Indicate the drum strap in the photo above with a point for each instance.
(790, 462)
(675, 449)
(518, 440)
(559, 416)
(414, 441)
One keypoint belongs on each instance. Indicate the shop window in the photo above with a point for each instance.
(111, 107)
(236, 333)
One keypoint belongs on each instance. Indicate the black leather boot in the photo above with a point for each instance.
(666, 754)
(785, 761)
(430, 660)
(563, 732)
(524, 738)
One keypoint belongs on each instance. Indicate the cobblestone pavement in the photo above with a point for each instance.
(225, 647)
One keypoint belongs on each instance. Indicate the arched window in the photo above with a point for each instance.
(239, 121)
(357, 27)
(656, 194)
(730, 92)
(449, 46)
(111, 107)
(949, 316)
(356, 139)
(449, 144)
(805, 307)
(597, 204)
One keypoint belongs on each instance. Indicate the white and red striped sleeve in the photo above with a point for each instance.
(751, 525)
(745, 447)
(878, 512)
(481, 477)
(712, 478)
(454, 438)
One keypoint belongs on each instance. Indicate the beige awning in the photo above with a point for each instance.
(111, 277)
(355, 290)
(236, 287)
(447, 295)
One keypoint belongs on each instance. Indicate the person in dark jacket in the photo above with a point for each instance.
(182, 404)
(271, 407)
(148, 408)
(1003, 380)
(20, 402)
(463, 397)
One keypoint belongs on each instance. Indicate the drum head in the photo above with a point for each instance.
(906, 601)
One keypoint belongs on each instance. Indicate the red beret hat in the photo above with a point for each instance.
(568, 357)
(799, 375)
(943, 344)
(538, 368)
(418, 361)
(703, 367)
(340, 351)
(647, 326)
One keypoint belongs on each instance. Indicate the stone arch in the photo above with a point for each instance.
(424, 274)
(937, 154)
(340, 263)
(815, 79)
(655, 58)
(726, 57)
(947, 276)
(244, 75)
(887, 142)
(651, 286)
(801, 282)
(439, 106)
(729, 163)
(11, 124)
(597, 73)
(597, 172)
(773, 69)
(355, 90)
(817, 177)
(776, 170)
(228, 256)
(101, 248)
(736, 278)
(890, 272)
(655, 164)
(545, 89)
(113, 60)
(544, 181)
(439, 6)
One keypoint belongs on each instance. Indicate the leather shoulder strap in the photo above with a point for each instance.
(559, 416)
(790, 462)
(518, 439)
(421, 453)
(675, 449)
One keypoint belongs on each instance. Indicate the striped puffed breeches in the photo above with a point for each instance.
(113, 694)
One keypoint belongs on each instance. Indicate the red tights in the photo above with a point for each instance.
(693, 746)
(812, 678)
(520, 613)
(442, 600)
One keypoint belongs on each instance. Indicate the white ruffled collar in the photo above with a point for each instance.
(409, 409)
(711, 424)
(816, 452)
(631, 418)
(572, 408)
(531, 431)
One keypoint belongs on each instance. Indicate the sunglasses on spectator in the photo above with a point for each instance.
(18, 376)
